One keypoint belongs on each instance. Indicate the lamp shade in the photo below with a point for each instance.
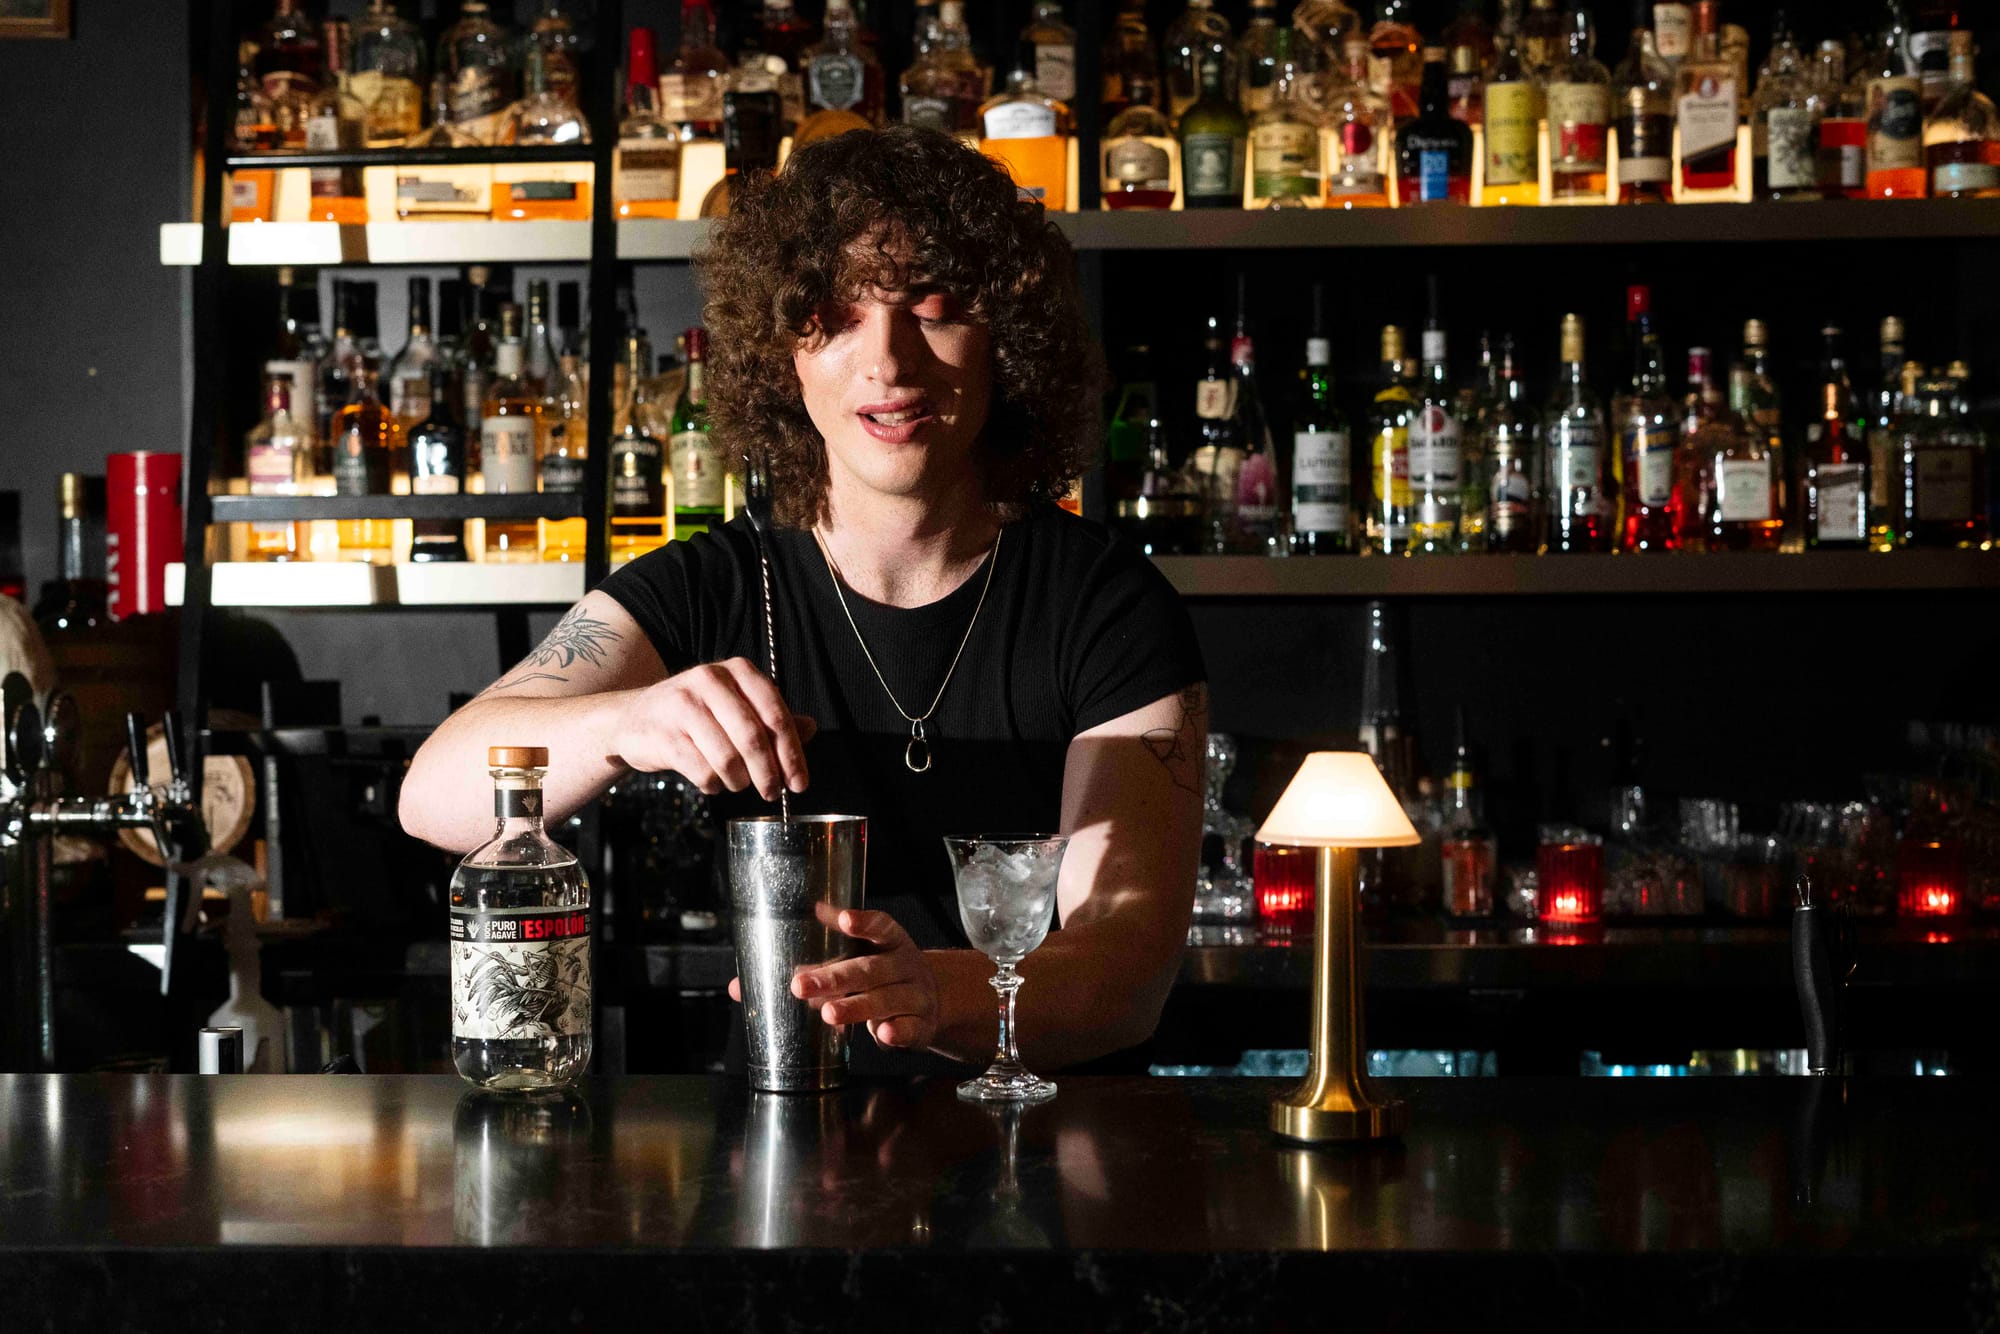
(1337, 799)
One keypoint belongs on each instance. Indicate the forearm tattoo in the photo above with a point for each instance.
(577, 635)
(1182, 748)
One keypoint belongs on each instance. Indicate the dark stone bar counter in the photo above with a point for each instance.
(365, 1203)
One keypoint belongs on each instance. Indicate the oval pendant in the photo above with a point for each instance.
(917, 755)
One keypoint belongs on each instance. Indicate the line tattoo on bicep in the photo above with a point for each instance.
(1182, 748)
(577, 635)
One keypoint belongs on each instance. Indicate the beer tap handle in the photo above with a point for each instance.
(135, 738)
(177, 765)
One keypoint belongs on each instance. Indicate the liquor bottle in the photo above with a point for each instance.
(289, 64)
(1784, 156)
(333, 125)
(1694, 477)
(1164, 518)
(1360, 129)
(1394, 412)
(1476, 405)
(1197, 38)
(1579, 111)
(388, 78)
(254, 129)
(481, 343)
(1212, 134)
(1433, 151)
(277, 456)
(564, 444)
(1765, 411)
(1396, 58)
(1218, 455)
(1962, 136)
(1673, 31)
(1284, 137)
(782, 33)
(753, 123)
(1649, 440)
(545, 115)
(1941, 468)
(476, 58)
(1259, 526)
(1129, 64)
(1745, 513)
(1884, 409)
(507, 422)
(538, 340)
(1137, 169)
(1507, 447)
(1257, 57)
(437, 468)
(842, 73)
(1937, 24)
(1843, 125)
(572, 339)
(553, 32)
(292, 359)
(1513, 119)
(449, 191)
(1028, 132)
(1322, 457)
(1469, 853)
(1468, 44)
(1125, 435)
(1644, 116)
(1579, 483)
(646, 171)
(1544, 39)
(944, 88)
(691, 88)
(700, 486)
(345, 359)
(520, 943)
(1894, 108)
(1436, 455)
(638, 476)
(1388, 875)
(1706, 108)
(1053, 43)
(1836, 462)
(367, 449)
(74, 602)
(410, 372)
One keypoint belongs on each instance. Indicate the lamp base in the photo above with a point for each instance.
(1341, 1120)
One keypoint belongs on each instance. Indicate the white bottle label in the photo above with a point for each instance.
(507, 454)
(1055, 71)
(1214, 399)
(1576, 464)
(433, 484)
(648, 169)
(698, 471)
(1579, 114)
(1434, 453)
(1791, 162)
(1708, 115)
(1673, 30)
(520, 973)
(1321, 497)
(1745, 486)
(1842, 507)
(1656, 472)
(1021, 120)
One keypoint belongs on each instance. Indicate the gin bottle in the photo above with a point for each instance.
(520, 943)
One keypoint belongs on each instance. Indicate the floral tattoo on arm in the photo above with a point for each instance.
(578, 635)
(1182, 748)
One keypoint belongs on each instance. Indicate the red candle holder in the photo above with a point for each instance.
(1930, 878)
(1569, 879)
(1285, 880)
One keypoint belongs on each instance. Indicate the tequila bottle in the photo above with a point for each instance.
(1360, 124)
(520, 943)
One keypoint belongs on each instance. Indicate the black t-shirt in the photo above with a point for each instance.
(1078, 628)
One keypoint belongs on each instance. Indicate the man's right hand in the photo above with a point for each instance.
(720, 726)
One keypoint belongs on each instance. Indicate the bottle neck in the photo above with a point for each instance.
(517, 803)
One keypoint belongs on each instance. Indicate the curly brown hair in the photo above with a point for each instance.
(890, 206)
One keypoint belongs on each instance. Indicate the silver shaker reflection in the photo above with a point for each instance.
(781, 872)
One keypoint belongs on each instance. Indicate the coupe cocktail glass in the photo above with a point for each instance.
(1006, 899)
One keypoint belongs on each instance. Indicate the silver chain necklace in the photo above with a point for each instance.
(916, 754)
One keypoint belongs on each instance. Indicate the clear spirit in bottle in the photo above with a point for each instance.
(546, 115)
(277, 454)
(565, 436)
(1437, 458)
(520, 943)
(1284, 137)
(1573, 440)
(1361, 131)
(1579, 111)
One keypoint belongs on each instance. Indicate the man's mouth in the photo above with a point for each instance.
(906, 413)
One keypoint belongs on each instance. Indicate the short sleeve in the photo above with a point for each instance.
(657, 591)
(1129, 641)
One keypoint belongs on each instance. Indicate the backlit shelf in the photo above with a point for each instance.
(307, 584)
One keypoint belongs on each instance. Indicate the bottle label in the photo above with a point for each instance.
(1214, 399)
(477, 92)
(1321, 496)
(928, 113)
(696, 97)
(1282, 158)
(561, 474)
(1944, 485)
(1930, 53)
(1392, 467)
(1673, 30)
(1257, 491)
(433, 483)
(520, 973)
(1354, 167)
(1511, 113)
(544, 191)
(698, 472)
(1745, 489)
(835, 81)
(1577, 462)
(648, 169)
(1055, 71)
(1645, 147)
(394, 106)
(302, 376)
(1578, 116)
(1708, 116)
(1788, 149)
(1959, 177)
(1843, 152)
(1513, 496)
(354, 472)
(1841, 503)
(1435, 455)
(1135, 164)
(1212, 166)
(410, 397)
(507, 454)
(270, 470)
(637, 491)
(1654, 451)
(1433, 175)
(1020, 120)
(1895, 125)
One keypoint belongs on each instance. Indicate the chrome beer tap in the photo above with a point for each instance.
(37, 750)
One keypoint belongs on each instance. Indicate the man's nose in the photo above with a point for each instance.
(893, 343)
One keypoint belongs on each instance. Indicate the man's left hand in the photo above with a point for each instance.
(893, 990)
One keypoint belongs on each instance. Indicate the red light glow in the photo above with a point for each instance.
(1285, 880)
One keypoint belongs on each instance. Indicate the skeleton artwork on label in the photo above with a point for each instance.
(520, 990)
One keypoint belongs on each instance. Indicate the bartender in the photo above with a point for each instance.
(899, 336)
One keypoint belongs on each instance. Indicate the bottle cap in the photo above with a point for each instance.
(517, 757)
(1319, 351)
(1392, 343)
(1638, 301)
(69, 495)
(696, 342)
(1892, 329)
(1753, 333)
(1572, 338)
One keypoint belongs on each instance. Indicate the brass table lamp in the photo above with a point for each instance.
(1337, 803)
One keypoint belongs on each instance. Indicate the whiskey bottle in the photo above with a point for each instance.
(1544, 39)
(842, 73)
(1784, 158)
(565, 436)
(1746, 514)
(547, 115)
(1941, 481)
(1644, 116)
(1436, 456)
(475, 56)
(294, 358)
(507, 422)
(1212, 133)
(1707, 102)
(1843, 125)
(437, 468)
(388, 78)
(782, 33)
(1884, 416)
(1579, 112)
(1694, 477)
(1649, 439)
(1836, 459)
(1052, 44)
(1468, 44)
(1513, 119)
(1394, 412)
(638, 477)
(1197, 38)
(1433, 151)
(1129, 64)
(1764, 412)
(944, 88)
(333, 125)
(277, 456)
(701, 485)
(1573, 439)
(1028, 132)
(691, 89)
(520, 942)
(646, 170)
(1962, 137)
(1893, 105)
(1218, 455)
(1507, 444)
(368, 447)
(1322, 460)
(410, 372)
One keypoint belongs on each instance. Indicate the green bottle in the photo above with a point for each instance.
(1213, 134)
(700, 482)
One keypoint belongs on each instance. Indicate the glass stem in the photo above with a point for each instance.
(1006, 982)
